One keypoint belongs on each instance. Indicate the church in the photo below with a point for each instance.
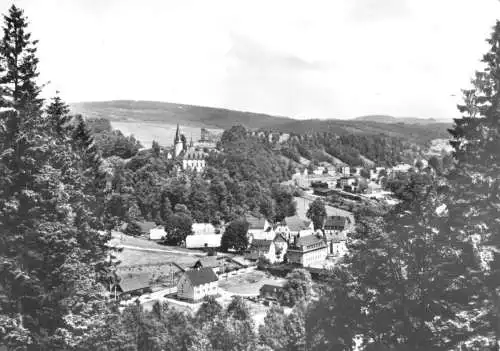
(192, 158)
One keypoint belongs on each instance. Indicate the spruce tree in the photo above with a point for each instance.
(408, 283)
(52, 254)
(474, 207)
(58, 115)
(18, 56)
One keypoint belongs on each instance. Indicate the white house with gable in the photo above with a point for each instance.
(195, 284)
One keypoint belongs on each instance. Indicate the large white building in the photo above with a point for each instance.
(308, 251)
(192, 158)
(202, 241)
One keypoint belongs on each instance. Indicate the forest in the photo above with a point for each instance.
(424, 276)
(350, 149)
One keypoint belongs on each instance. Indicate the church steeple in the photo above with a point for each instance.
(178, 144)
(177, 135)
(191, 142)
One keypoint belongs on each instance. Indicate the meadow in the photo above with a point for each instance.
(163, 133)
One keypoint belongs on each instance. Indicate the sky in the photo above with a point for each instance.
(302, 59)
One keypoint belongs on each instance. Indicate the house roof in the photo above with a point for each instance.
(280, 238)
(157, 233)
(306, 242)
(336, 221)
(203, 228)
(261, 244)
(274, 284)
(255, 223)
(324, 191)
(130, 282)
(146, 226)
(201, 276)
(295, 223)
(209, 261)
(336, 238)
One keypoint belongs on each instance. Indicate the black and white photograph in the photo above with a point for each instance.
(236, 175)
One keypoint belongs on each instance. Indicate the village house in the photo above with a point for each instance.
(319, 170)
(267, 234)
(332, 171)
(132, 285)
(283, 137)
(402, 167)
(281, 244)
(282, 229)
(263, 248)
(345, 171)
(214, 262)
(336, 243)
(157, 233)
(256, 226)
(323, 191)
(143, 227)
(202, 228)
(335, 224)
(345, 182)
(308, 251)
(272, 290)
(297, 225)
(203, 241)
(195, 284)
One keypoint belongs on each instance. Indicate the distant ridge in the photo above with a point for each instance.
(171, 113)
(154, 112)
(392, 119)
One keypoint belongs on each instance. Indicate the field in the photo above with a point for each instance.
(163, 133)
(139, 251)
(247, 284)
(130, 257)
(124, 239)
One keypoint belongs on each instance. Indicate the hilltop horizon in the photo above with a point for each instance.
(373, 117)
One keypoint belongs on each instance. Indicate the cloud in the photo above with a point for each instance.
(253, 55)
(314, 59)
(379, 10)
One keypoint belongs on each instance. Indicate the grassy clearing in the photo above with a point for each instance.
(147, 132)
(129, 257)
(247, 283)
(123, 239)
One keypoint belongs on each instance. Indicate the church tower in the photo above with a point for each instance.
(178, 146)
